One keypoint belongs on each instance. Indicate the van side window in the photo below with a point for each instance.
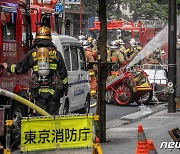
(82, 59)
(74, 57)
(67, 58)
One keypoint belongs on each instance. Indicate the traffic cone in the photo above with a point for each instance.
(151, 147)
(142, 144)
(97, 147)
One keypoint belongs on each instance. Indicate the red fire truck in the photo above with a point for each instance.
(142, 32)
(121, 28)
(43, 14)
(15, 41)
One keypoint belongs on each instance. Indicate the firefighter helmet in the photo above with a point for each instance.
(94, 41)
(132, 43)
(114, 45)
(120, 42)
(43, 33)
(85, 44)
(81, 37)
(163, 53)
(90, 39)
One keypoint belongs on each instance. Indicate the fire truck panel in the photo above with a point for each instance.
(15, 40)
(42, 16)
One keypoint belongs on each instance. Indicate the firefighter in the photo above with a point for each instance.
(158, 55)
(88, 51)
(94, 46)
(132, 51)
(108, 54)
(91, 57)
(49, 76)
(116, 57)
(122, 48)
(121, 44)
(139, 46)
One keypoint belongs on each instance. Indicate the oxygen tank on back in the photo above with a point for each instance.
(43, 62)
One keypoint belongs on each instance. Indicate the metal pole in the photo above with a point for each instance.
(28, 3)
(101, 107)
(63, 23)
(172, 54)
(42, 2)
(80, 21)
(103, 71)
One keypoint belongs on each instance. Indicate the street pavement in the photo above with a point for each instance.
(121, 134)
(122, 140)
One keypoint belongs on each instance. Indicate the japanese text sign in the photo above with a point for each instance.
(45, 133)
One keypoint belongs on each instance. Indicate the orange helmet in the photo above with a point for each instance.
(43, 33)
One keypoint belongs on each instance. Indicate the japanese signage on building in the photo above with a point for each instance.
(70, 1)
(56, 132)
(9, 49)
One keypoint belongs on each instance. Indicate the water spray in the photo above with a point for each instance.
(159, 40)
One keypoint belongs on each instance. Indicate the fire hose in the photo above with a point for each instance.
(23, 101)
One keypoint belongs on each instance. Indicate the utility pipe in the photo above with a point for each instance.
(172, 27)
(63, 30)
(80, 21)
(23, 101)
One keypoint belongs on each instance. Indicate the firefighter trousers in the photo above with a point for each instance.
(47, 102)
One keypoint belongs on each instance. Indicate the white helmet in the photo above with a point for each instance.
(85, 44)
(94, 41)
(81, 37)
(163, 53)
(132, 42)
(114, 45)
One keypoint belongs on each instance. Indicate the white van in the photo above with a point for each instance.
(78, 97)
(157, 76)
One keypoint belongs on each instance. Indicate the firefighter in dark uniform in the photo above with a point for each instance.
(49, 77)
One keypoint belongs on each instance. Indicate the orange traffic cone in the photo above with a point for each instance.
(142, 144)
(97, 147)
(151, 147)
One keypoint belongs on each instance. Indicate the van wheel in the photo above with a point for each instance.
(66, 108)
(86, 108)
(17, 114)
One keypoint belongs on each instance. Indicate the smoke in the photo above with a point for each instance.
(159, 40)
